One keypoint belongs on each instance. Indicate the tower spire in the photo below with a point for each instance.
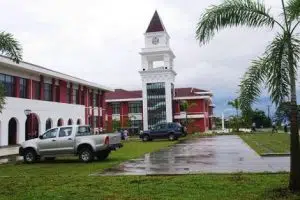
(155, 24)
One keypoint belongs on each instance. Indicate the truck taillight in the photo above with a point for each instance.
(106, 140)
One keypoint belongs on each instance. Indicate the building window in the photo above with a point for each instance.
(95, 100)
(69, 95)
(57, 93)
(9, 84)
(75, 97)
(137, 124)
(156, 101)
(23, 88)
(36, 90)
(47, 92)
(135, 107)
(116, 108)
(82, 97)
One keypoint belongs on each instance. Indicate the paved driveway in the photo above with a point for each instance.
(220, 154)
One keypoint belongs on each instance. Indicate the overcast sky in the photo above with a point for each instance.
(99, 41)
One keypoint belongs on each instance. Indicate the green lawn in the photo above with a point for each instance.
(268, 142)
(68, 179)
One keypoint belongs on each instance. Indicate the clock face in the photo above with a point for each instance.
(155, 40)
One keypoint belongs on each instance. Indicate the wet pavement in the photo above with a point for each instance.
(219, 154)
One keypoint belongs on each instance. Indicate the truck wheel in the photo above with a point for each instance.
(102, 155)
(86, 155)
(29, 156)
(172, 137)
(146, 138)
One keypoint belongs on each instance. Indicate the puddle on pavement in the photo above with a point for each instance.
(220, 154)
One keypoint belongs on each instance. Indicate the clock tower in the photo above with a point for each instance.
(157, 74)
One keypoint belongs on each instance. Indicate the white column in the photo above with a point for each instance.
(223, 126)
(169, 113)
(166, 61)
(4, 133)
(145, 107)
(42, 126)
(21, 130)
(144, 63)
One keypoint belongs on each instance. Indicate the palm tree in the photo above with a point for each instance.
(11, 48)
(277, 67)
(236, 105)
(185, 106)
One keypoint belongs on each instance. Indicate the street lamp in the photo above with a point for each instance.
(27, 112)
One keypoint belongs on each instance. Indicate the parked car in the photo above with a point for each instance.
(171, 130)
(76, 140)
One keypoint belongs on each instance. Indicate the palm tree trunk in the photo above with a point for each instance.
(294, 183)
(237, 118)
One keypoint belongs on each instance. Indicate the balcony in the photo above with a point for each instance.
(190, 115)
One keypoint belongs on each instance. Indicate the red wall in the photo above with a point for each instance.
(124, 114)
(62, 91)
(109, 114)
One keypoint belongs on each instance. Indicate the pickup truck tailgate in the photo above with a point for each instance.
(114, 138)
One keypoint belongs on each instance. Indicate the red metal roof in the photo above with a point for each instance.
(125, 94)
(186, 92)
(155, 24)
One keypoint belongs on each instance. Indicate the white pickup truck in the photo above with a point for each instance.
(70, 140)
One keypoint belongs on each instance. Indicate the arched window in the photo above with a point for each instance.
(70, 122)
(48, 124)
(12, 131)
(78, 122)
(32, 126)
(60, 122)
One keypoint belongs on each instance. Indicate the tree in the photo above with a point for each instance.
(260, 118)
(116, 125)
(236, 105)
(283, 111)
(11, 48)
(277, 67)
(185, 106)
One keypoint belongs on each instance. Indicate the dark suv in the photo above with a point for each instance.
(171, 130)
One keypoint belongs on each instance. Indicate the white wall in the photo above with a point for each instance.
(15, 107)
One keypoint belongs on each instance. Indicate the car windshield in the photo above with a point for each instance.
(83, 131)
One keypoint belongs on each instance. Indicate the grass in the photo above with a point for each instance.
(267, 142)
(73, 167)
(68, 179)
(238, 186)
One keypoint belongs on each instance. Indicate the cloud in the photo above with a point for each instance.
(99, 41)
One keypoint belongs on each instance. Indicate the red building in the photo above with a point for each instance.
(125, 109)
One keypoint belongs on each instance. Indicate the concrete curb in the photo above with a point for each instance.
(274, 154)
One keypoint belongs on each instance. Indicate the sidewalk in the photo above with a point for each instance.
(9, 151)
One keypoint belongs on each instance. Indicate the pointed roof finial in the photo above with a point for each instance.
(156, 24)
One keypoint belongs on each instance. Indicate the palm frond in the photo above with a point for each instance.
(251, 82)
(278, 79)
(273, 68)
(10, 47)
(293, 9)
(232, 13)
